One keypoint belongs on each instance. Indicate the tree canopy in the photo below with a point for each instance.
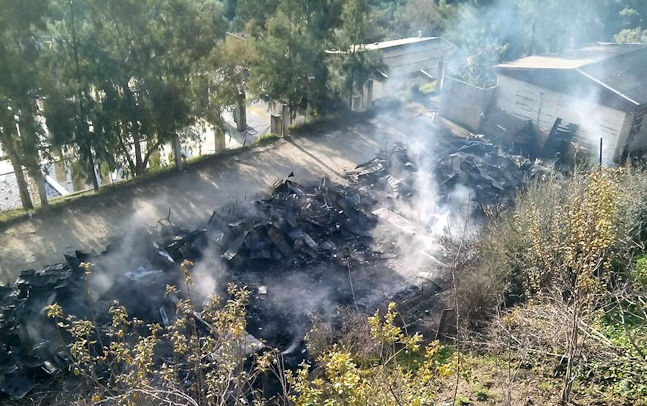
(107, 83)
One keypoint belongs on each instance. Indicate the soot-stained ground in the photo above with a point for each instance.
(302, 251)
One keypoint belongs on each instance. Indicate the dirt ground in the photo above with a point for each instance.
(90, 224)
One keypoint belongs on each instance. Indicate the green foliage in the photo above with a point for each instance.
(587, 221)
(354, 66)
(115, 80)
(462, 401)
(294, 44)
(481, 394)
(428, 88)
(631, 35)
(385, 377)
(208, 363)
(426, 17)
(21, 131)
(267, 139)
(133, 363)
(569, 262)
(639, 269)
(252, 15)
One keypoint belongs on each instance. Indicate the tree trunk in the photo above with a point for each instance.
(138, 149)
(10, 150)
(39, 179)
(242, 112)
(91, 169)
(177, 153)
(83, 115)
(134, 124)
(572, 349)
(220, 139)
(350, 91)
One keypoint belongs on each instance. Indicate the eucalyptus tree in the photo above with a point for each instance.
(21, 129)
(147, 59)
(9, 143)
(291, 61)
(251, 16)
(69, 105)
(354, 64)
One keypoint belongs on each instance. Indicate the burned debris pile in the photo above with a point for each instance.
(296, 225)
(313, 234)
(492, 174)
(391, 173)
(30, 348)
(488, 171)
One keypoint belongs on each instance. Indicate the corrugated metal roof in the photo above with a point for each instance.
(573, 59)
(389, 44)
(611, 73)
(398, 43)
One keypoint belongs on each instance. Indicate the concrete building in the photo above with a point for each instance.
(600, 90)
(408, 61)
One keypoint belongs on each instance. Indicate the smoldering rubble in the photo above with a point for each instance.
(297, 250)
(491, 173)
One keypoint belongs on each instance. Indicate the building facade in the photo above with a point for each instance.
(600, 90)
(407, 62)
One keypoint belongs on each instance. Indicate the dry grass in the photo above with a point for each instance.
(517, 292)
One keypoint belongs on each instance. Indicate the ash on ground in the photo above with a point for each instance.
(303, 251)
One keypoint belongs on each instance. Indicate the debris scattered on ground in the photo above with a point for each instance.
(391, 173)
(296, 225)
(319, 232)
(491, 173)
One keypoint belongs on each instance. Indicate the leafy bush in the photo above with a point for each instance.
(400, 371)
(593, 220)
(562, 262)
(207, 358)
(201, 358)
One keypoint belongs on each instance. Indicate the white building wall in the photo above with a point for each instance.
(403, 65)
(543, 106)
(410, 59)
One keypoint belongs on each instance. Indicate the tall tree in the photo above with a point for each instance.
(68, 107)
(144, 59)
(20, 91)
(290, 65)
(628, 20)
(356, 64)
(252, 15)
(427, 17)
(8, 139)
